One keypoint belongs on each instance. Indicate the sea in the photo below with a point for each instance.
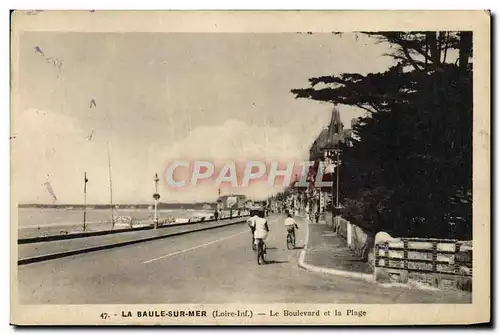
(47, 217)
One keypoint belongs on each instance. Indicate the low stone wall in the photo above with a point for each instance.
(358, 239)
(363, 242)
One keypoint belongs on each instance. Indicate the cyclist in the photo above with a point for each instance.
(261, 228)
(251, 224)
(291, 225)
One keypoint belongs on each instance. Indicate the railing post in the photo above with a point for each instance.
(377, 256)
(405, 254)
(457, 251)
(386, 247)
(434, 256)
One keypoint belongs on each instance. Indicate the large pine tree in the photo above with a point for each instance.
(410, 172)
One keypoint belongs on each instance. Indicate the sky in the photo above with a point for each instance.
(161, 97)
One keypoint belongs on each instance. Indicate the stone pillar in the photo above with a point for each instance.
(349, 234)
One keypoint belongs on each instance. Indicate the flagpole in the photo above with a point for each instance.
(110, 188)
(84, 200)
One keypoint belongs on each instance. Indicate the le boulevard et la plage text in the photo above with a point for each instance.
(239, 313)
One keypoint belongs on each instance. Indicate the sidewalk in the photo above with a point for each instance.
(327, 252)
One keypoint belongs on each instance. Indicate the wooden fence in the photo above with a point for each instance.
(447, 257)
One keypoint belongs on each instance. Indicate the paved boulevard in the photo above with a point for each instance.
(214, 266)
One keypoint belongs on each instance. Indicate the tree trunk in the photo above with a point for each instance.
(432, 42)
(465, 50)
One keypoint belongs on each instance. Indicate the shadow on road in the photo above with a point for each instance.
(275, 262)
(299, 248)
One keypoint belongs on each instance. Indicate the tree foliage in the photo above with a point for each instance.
(410, 171)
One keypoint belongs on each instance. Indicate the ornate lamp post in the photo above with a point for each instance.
(156, 196)
(219, 206)
(333, 154)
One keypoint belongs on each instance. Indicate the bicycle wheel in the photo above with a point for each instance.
(289, 242)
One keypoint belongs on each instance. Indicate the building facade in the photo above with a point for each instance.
(334, 136)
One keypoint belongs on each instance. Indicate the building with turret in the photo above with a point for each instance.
(334, 136)
(330, 137)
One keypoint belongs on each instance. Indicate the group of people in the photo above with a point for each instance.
(259, 227)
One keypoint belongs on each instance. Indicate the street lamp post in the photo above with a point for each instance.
(337, 205)
(156, 196)
(334, 154)
(219, 206)
(338, 172)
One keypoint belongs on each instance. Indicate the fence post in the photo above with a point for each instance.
(386, 262)
(405, 254)
(434, 256)
(455, 262)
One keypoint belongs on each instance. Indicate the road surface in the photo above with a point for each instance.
(28, 250)
(214, 266)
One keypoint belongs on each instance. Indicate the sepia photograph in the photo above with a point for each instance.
(214, 176)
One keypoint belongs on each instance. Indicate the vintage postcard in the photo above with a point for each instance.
(250, 167)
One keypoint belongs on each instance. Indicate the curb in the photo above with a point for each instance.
(36, 259)
(302, 264)
(52, 238)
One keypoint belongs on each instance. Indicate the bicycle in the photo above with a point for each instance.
(290, 240)
(290, 243)
(261, 251)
